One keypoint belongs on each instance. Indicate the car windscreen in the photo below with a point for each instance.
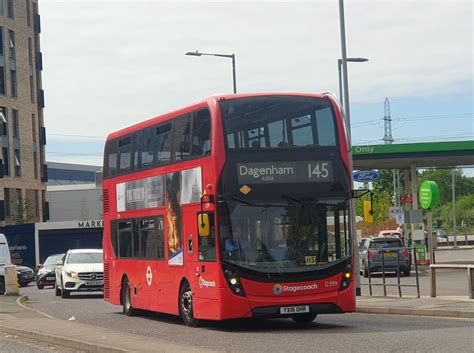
(52, 260)
(388, 244)
(85, 258)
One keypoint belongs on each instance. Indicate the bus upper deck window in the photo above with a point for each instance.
(201, 133)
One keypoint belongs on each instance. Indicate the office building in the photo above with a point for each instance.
(23, 171)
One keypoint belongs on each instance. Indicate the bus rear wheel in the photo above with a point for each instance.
(304, 319)
(127, 308)
(186, 306)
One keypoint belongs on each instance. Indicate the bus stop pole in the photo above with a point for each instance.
(353, 228)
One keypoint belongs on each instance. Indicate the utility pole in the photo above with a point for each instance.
(454, 207)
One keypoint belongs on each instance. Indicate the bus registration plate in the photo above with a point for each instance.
(294, 309)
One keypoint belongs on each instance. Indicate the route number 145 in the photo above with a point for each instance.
(319, 171)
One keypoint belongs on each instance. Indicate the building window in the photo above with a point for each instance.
(1, 38)
(30, 52)
(6, 196)
(28, 13)
(1, 7)
(3, 122)
(6, 161)
(3, 86)
(35, 164)
(13, 83)
(19, 196)
(11, 44)
(33, 128)
(32, 89)
(17, 163)
(16, 124)
(37, 211)
(10, 10)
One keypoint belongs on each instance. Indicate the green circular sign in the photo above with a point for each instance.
(429, 194)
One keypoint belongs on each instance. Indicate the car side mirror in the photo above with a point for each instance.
(39, 266)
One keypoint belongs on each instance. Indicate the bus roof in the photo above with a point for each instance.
(199, 104)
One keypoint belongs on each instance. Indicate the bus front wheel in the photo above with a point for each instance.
(186, 305)
(127, 308)
(304, 319)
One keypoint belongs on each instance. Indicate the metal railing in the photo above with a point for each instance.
(399, 285)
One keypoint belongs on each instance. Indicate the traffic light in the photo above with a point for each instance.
(368, 214)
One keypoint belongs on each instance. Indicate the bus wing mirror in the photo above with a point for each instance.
(368, 212)
(203, 224)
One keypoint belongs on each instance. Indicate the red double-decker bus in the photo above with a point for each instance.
(236, 206)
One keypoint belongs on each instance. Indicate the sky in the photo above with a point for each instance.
(109, 64)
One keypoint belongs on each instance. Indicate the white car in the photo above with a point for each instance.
(79, 270)
(5, 260)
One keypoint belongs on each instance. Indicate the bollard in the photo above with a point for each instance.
(11, 281)
(470, 281)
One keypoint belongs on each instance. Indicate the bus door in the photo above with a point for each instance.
(152, 253)
(206, 268)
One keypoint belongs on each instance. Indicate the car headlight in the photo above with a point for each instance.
(71, 274)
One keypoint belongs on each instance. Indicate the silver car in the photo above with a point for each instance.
(393, 252)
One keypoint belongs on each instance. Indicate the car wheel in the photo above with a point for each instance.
(64, 293)
(39, 285)
(186, 306)
(57, 291)
(127, 308)
(23, 284)
(304, 319)
(407, 273)
(366, 272)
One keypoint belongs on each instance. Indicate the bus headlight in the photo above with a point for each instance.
(234, 282)
(346, 277)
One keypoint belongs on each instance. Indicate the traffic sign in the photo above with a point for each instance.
(366, 175)
(400, 217)
(407, 198)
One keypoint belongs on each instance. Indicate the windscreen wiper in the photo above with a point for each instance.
(286, 197)
(243, 201)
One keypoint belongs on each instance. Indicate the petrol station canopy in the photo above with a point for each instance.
(419, 155)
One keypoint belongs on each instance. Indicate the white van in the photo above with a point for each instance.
(5, 260)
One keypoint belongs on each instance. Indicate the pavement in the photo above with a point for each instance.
(453, 307)
(17, 319)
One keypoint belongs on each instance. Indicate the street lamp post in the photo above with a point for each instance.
(345, 85)
(231, 56)
(339, 64)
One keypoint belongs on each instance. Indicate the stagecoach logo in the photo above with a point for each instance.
(279, 289)
(203, 283)
(149, 275)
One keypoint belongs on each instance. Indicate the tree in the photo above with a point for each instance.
(464, 209)
(443, 177)
(24, 212)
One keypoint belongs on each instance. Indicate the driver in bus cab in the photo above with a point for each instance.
(232, 241)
